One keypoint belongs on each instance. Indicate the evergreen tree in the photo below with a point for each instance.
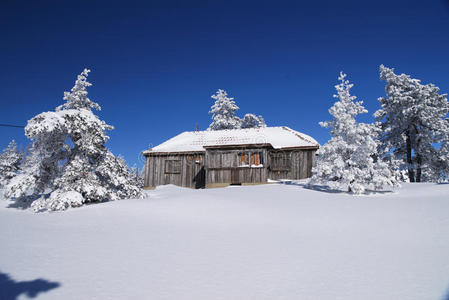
(412, 121)
(223, 112)
(31, 179)
(136, 175)
(348, 160)
(441, 164)
(253, 121)
(10, 161)
(69, 158)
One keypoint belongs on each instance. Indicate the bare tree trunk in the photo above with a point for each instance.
(411, 173)
(418, 156)
(418, 168)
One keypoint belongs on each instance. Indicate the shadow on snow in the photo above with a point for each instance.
(446, 297)
(26, 202)
(11, 289)
(19, 204)
(327, 189)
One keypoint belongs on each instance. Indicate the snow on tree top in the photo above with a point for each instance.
(196, 141)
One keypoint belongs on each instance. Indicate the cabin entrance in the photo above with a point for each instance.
(200, 177)
(235, 177)
(195, 174)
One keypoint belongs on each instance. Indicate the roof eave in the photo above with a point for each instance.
(264, 145)
(154, 153)
(315, 147)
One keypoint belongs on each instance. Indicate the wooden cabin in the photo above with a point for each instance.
(199, 159)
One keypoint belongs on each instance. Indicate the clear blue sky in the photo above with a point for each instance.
(155, 63)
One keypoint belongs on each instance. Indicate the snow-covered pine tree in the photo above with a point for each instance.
(441, 163)
(412, 121)
(36, 179)
(223, 112)
(348, 160)
(137, 175)
(253, 121)
(69, 158)
(10, 161)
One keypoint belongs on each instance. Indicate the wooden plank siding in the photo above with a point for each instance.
(192, 169)
(301, 162)
(220, 167)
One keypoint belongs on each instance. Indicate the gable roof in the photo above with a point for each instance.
(196, 141)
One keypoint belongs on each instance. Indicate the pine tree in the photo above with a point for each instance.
(77, 97)
(441, 163)
(70, 158)
(136, 175)
(10, 161)
(412, 119)
(28, 183)
(253, 121)
(223, 112)
(348, 160)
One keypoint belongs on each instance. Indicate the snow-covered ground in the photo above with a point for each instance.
(258, 242)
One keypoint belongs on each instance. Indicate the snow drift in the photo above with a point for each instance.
(261, 242)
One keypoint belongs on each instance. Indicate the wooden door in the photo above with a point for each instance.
(235, 176)
(200, 177)
(199, 173)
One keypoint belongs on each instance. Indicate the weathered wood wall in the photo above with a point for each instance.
(222, 166)
(191, 175)
(301, 162)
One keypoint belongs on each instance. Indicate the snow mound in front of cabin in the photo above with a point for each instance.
(274, 241)
(58, 200)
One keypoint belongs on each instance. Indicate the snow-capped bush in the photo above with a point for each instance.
(413, 120)
(68, 164)
(58, 200)
(348, 160)
(10, 161)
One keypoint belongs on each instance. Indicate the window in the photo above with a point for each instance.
(250, 159)
(280, 161)
(172, 166)
(256, 159)
(243, 159)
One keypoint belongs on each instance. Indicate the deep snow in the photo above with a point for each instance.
(260, 242)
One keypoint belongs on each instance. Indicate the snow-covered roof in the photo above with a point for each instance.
(196, 141)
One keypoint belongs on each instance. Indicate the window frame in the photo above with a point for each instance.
(253, 159)
(172, 166)
(243, 159)
(256, 159)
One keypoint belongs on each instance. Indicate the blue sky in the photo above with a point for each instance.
(155, 64)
